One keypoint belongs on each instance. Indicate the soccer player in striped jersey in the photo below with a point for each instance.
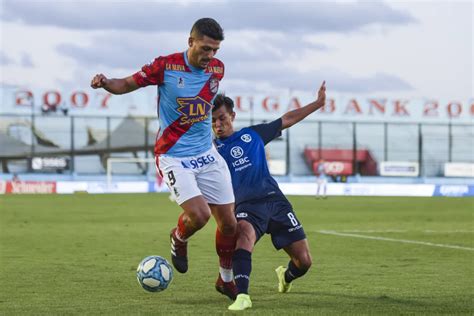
(196, 174)
(261, 207)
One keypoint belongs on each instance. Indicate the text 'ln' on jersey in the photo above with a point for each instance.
(244, 152)
(185, 95)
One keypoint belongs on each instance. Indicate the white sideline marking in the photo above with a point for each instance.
(383, 231)
(330, 232)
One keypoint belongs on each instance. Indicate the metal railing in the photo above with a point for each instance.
(87, 141)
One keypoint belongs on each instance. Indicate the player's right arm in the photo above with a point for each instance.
(114, 86)
(150, 74)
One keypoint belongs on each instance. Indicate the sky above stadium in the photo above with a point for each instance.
(377, 48)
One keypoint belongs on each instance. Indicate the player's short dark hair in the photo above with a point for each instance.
(208, 27)
(221, 100)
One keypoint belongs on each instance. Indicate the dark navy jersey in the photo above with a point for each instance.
(244, 152)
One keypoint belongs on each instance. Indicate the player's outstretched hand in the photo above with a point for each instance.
(98, 81)
(321, 95)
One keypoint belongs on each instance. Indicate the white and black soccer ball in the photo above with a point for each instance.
(154, 273)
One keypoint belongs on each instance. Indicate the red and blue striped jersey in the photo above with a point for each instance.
(185, 95)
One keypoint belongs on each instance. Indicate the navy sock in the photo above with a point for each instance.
(242, 266)
(293, 272)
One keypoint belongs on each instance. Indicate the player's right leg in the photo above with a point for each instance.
(196, 212)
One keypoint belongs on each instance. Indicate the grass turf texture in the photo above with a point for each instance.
(77, 254)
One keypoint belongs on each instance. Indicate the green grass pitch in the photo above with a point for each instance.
(77, 254)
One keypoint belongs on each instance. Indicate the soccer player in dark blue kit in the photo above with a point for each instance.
(260, 206)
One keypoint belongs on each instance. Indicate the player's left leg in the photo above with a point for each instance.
(300, 262)
(325, 188)
(288, 233)
(225, 246)
(242, 265)
(318, 188)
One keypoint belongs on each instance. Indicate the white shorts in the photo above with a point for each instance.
(206, 175)
(322, 180)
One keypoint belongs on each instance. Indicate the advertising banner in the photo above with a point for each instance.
(247, 106)
(30, 187)
(399, 169)
(455, 169)
(454, 190)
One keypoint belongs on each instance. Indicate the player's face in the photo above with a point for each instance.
(222, 122)
(202, 50)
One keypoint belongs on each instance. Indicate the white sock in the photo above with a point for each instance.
(226, 274)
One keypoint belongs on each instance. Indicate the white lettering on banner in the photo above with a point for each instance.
(38, 163)
(453, 190)
(16, 187)
(399, 168)
(361, 189)
(334, 167)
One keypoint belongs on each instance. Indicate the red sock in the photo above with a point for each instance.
(225, 246)
(182, 232)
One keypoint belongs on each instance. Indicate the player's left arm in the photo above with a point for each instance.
(291, 118)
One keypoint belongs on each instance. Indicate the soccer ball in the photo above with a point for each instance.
(154, 273)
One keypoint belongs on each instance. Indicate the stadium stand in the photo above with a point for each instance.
(340, 161)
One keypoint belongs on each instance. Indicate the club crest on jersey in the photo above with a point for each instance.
(193, 110)
(246, 138)
(236, 152)
(180, 82)
(214, 85)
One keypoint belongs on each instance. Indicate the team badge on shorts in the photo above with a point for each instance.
(214, 85)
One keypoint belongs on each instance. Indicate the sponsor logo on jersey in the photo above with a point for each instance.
(193, 110)
(240, 162)
(215, 69)
(246, 138)
(142, 73)
(180, 82)
(241, 215)
(214, 85)
(175, 67)
(236, 152)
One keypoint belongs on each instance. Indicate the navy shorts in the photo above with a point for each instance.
(275, 218)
